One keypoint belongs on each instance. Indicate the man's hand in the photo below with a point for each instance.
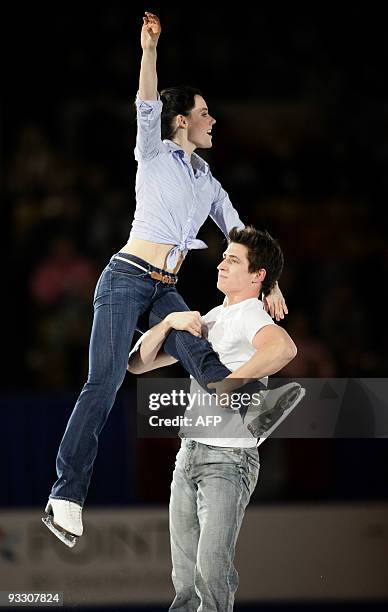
(275, 304)
(150, 31)
(188, 320)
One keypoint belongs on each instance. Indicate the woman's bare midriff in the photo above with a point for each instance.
(152, 252)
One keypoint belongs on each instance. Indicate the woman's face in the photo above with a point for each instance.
(200, 124)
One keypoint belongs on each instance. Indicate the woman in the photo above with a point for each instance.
(175, 193)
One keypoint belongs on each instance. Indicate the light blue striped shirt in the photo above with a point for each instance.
(174, 197)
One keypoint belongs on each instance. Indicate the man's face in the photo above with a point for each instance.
(233, 276)
(200, 124)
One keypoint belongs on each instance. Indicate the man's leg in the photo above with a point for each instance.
(226, 479)
(184, 532)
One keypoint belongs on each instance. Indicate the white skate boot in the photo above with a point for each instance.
(64, 519)
(275, 407)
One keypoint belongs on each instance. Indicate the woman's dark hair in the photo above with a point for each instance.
(263, 252)
(176, 101)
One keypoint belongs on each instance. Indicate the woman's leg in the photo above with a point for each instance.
(195, 354)
(121, 295)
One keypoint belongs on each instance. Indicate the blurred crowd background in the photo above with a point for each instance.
(300, 144)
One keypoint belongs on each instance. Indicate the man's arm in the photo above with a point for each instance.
(148, 81)
(274, 350)
(147, 356)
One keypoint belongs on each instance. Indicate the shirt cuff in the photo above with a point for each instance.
(150, 103)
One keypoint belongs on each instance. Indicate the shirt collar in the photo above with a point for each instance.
(241, 304)
(197, 162)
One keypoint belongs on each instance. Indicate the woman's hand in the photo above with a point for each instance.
(150, 31)
(275, 304)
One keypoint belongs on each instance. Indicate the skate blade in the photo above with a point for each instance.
(285, 402)
(67, 538)
(297, 395)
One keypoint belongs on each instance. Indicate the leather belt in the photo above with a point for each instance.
(164, 278)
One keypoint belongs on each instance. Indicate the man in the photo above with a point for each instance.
(214, 478)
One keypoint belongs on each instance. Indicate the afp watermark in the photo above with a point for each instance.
(330, 408)
(171, 407)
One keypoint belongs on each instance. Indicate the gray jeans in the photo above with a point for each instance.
(210, 490)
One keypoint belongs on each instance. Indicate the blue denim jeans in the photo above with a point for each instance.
(210, 489)
(123, 293)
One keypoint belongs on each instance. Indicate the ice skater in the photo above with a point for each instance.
(175, 193)
(217, 471)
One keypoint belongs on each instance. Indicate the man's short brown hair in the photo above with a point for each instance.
(263, 252)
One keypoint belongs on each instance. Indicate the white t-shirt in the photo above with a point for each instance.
(231, 330)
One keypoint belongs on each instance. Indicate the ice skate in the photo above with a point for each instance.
(276, 405)
(64, 519)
